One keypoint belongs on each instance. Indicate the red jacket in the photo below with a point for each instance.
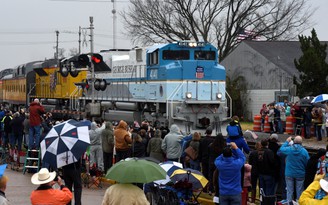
(36, 110)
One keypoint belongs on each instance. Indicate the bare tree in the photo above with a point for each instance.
(220, 22)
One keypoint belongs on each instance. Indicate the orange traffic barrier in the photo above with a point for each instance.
(257, 123)
(267, 125)
(289, 125)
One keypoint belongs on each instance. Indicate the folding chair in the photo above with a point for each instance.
(95, 177)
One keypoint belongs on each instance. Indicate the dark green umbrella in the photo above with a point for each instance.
(134, 170)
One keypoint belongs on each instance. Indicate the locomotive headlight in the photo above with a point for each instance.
(219, 95)
(192, 44)
(188, 95)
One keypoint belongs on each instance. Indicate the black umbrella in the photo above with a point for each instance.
(319, 105)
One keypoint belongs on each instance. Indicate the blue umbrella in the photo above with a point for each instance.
(320, 98)
(65, 143)
(2, 169)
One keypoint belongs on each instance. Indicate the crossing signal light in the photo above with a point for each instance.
(72, 65)
(98, 63)
(100, 84)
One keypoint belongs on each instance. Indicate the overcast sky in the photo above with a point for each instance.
(27, 31)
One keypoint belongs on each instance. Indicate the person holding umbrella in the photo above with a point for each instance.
(64, 146)
(126, 172)
(45, 193)
(122, 194)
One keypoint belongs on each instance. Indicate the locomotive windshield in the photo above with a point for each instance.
(204, 55)
(175, 55)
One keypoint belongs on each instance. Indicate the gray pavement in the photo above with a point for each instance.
(19, 188)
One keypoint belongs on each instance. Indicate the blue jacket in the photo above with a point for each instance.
(296, 159)
(230, 174)
(240, 142)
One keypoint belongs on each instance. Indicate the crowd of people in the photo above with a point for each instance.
(226, 161)
(305, 116)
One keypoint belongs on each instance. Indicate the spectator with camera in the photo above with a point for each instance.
(229, 164)
(296, 160)
(45, 193)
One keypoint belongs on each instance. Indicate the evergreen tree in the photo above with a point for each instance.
(236, 88)
(312, 66)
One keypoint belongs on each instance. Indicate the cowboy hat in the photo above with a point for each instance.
(324, 185)
(43, 177)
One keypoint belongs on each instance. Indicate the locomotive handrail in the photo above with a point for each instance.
(73, 96)
(170, 98)
(230, 104)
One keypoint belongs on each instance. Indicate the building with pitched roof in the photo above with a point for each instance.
(268, 68)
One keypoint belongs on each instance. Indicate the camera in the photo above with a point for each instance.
(228, 144)
(56, 178)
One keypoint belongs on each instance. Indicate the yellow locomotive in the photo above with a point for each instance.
(40, 79)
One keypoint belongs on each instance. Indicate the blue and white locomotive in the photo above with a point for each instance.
(179, 83)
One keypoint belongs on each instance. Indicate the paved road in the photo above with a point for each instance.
(19, 188)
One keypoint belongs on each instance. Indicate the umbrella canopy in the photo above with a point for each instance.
(320, 98)
(193, 176)
(169, 167)
(135, 170)
(65, 143)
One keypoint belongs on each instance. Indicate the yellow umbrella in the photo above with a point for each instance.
(196, 178)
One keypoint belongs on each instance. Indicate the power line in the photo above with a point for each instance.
(92, 1)
(6, 43)
(22, 32)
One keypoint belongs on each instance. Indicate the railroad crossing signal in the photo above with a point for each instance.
(98, 63)
(77, 63)
(100, 84)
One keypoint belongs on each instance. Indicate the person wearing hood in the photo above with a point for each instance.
(107, 142)
(96, 155)
(318, 184)
(122, 141)
(36, 111)
(235, 134)
(154, 148)
(296, 160)
(171, 144)
(229, 164)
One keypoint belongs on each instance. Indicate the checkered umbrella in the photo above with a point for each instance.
(169, 167)
(65, 143)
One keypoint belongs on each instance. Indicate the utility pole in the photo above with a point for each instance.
(57, 49)
(80, 39)
(280, 80)
(92, 66)
(114, 24)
